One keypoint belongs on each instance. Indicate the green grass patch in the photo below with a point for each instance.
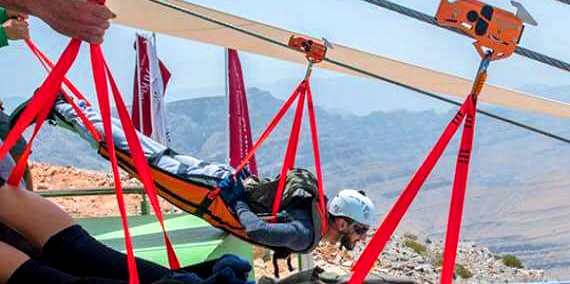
(512, 261)
(460, 270)
(463, 272)
(416, 246)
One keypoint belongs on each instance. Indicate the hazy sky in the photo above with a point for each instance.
(350, 22)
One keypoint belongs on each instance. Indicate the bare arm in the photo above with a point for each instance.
(75, 18)
(10, 260)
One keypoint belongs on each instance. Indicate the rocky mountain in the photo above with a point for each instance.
(406, 257)
(518, 191)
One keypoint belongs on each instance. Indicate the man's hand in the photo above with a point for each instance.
(16, 14)
(231, 190)
(16, 29)
(79, 19)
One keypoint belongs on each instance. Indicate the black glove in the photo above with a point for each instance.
(244, 173)
(228, 269)
(232, 190)
(227, 276)
(239, 266)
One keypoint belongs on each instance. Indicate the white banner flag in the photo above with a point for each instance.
(151, 79)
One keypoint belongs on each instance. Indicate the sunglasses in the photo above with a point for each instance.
(360, 229)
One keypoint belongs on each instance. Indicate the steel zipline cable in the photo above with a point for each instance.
(364, 72)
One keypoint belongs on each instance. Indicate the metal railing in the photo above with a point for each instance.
(145, 208)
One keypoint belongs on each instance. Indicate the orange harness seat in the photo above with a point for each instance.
(199, 196)
(195, 196)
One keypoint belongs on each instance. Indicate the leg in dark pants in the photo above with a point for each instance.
(75, 252)
(13, 238)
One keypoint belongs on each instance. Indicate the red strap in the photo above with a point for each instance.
(274, 122)
(101, 86)
(45, 95)
(141, 164)
(20, 168)
(101, 83)
(296, 129)
(48, 65)
(391, 221)
(22, 163)
(50, 86)
(302, 90)
(317, 157)
(291, 152)
(458, 195)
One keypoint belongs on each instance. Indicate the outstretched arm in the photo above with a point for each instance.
(80, 19)
(291, 235)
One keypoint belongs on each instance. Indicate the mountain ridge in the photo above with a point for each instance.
(379, 152)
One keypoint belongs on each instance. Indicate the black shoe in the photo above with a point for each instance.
(15, 115)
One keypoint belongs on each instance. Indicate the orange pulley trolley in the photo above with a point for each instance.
(492, 28)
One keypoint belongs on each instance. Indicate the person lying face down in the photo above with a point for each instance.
(351, 213)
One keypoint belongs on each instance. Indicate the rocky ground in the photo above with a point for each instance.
(406, 257)
(50, 178)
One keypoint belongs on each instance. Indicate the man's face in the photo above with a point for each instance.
(354, 233)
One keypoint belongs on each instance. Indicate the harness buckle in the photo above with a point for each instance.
(213, 193)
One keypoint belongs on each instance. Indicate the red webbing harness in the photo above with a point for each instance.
(38, 109)
(103, 77)
(466, 113)
(302, 93)
(48, 65)
(44, 96)
(315, 53)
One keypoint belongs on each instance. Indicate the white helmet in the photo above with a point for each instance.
(354, 205)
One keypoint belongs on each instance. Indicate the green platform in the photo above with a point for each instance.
(194, 240)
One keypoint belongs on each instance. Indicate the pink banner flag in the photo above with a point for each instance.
(239, 124)
(151, 78)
